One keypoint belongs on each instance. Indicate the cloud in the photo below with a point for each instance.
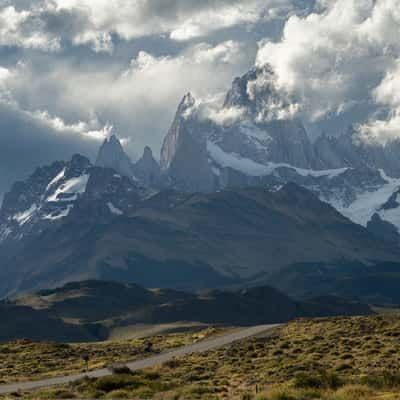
(87, 130)
(180, 19)
(25, 29)
(386, 94)
(138, 99)
(91, 130)
(28, 141)
(30, 138)
(338, 59)
(209, 19)
(47, 24)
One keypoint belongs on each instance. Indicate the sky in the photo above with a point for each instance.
(72, 71)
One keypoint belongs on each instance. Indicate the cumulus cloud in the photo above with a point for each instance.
(87, 130)
(46, 24)
(25, 29)
(180, 19)
(91, 129)
(339, 59)
(386, 94)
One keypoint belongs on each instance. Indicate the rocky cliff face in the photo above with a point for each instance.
(184, 155)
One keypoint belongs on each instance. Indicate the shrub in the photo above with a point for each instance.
(353, 392)
(115, 382)
(384, 379)
(343, 367)
(152, 376)
(118, 394)
(276, 395)
(305, 380)
(120, 370)
(319, 380)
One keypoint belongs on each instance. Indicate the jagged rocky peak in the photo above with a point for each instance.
(186, 103)
(238, 95)
(78, 165)
(196, 148)
(147, 154)
(184, 156)
(256, 92)
(268, 129)
(147, 169)
(112, 155)
(181, 127)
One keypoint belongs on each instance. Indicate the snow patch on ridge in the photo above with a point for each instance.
(69, 190)
(4, 233)
(368, 203)
(59, 214)
(56, 179)
(23, 217)
(234, 161)
(114, 210)
(252, 168)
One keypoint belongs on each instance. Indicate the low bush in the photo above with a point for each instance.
(320, 380)
(120, 370)
(382, 380)
(353, 392)
(115, 382)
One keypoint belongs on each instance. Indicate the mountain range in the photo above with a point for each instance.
(240, 196)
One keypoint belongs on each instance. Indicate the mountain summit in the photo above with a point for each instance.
(112, 155)
(255, 138)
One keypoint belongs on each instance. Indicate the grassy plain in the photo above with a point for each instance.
(356, 358)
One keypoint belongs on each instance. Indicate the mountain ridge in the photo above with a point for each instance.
(118, 230)
(98, 307)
